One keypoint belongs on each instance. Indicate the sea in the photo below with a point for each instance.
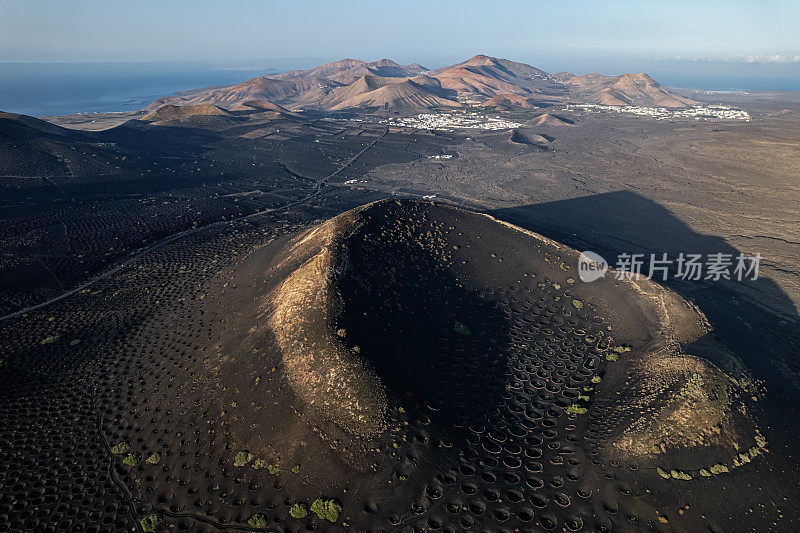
(42, 89)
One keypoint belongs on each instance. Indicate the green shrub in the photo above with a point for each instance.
(154, 458)
(120, 447)
(257, 520)
(718, 469)
(299, 510)
(151, 522)
(680, 474)
(242, 458)
(132, 459)
(326, 509)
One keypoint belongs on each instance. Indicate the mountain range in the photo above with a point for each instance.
(480, 80)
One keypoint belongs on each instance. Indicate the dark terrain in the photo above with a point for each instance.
(144, 266)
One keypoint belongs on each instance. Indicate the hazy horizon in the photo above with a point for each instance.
(731, 31)
(59, 57)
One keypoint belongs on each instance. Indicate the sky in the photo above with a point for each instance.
(434, 32)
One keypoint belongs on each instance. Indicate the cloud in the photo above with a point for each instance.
(738, 58)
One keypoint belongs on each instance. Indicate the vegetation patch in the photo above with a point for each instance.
(242, 458)
(151, 522)
(577, 410)
(132, 459)
(326, 509)
(299, 510)
(120, 448)
(154, 458)
(257, 520)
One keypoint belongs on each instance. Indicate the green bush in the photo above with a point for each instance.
(326, 509)
(299, 510)
(132, 459)
(577, 410)
(242, 458)
(51, 339)
(154, 459)
(120, 447)
(151, 522)
(257, 520)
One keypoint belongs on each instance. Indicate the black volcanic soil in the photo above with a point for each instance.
(473, 343)
(178, 352)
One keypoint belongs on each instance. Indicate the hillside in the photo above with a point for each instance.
(33, 147)
(490, 76)
(11, 123)
(546, 119)
(406, 95)
(508, 101)
(293, 92)
(627, 89)
(347, 71)
(175, 112)
(264, 107)
(494, 81)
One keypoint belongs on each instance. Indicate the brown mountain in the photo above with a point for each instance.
(175, 112)
(627, 89)
(493, 81)
(363, 85)
(347, 71)
(490, 76)
(408, 94)
(262, 109)
(508, 101)
(546, 119)
(520, 136)
(293, 91)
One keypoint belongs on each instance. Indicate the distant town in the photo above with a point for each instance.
(698, 112)
(452, 121)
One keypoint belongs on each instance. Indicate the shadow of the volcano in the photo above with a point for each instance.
(754, 319)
